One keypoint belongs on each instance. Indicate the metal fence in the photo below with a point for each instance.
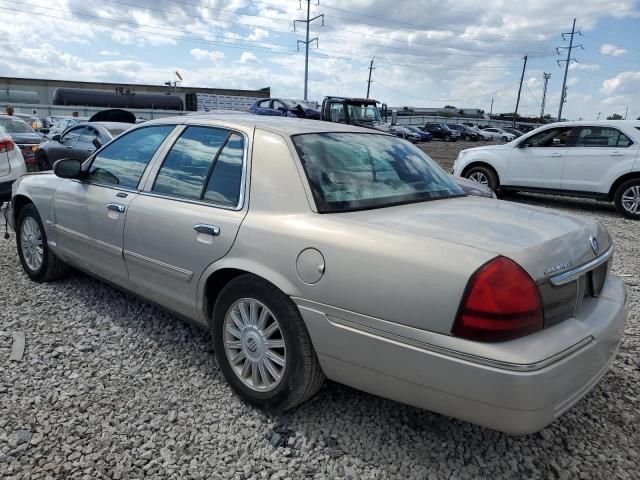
(419, 120)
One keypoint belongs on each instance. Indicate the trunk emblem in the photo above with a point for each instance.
(594, 245)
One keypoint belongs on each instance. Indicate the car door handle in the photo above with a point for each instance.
(615, 154)
(207, 229)
(555, 155)
(90, 150)
(115, 207)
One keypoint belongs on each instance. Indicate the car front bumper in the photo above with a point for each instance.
(516, 399)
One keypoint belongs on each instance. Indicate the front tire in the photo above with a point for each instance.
(38, 261)
(42, 162)
(262, 345)
(447, 138)
(484, 176)
(627, 199)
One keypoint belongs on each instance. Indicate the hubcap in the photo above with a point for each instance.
(254, 344)
(31, 243)
(479, 177)
(631, 199)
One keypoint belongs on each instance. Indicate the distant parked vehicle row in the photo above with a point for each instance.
(442, 131)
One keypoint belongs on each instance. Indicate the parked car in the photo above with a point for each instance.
(25, 137)
(404, 132)
(31, 120)
(11, 164)
(514, 131)
(584, 159)
(356, 258)
(442, 131)
(284, 107)
(78, 141)
(466, 133)
(499, 134)
(481, 135)
(424, 135)
(61, 124)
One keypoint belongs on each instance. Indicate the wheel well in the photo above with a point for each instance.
(216, 282)
(480, 164)
(620, 181)
(19, 201)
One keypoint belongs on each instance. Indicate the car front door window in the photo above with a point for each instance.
(71, 136)
(123, 162)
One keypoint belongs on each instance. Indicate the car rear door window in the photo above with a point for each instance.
(88, 135)
(225, 183)
(595, 136)
(186, 168)
(123, 162)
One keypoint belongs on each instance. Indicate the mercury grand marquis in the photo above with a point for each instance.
(313, 250)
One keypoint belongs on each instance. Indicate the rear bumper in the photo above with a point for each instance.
(503, 397)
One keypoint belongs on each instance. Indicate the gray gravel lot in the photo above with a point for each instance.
(111, 387)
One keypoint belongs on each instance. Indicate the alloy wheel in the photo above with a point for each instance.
(631, 199)
(479, 177)
(254, 344)
(31, 243)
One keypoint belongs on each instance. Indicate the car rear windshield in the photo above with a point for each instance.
(15, 126)
(358, 171)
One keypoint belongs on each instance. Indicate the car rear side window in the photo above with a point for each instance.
(186, 168)
(123, 162)
(595, 136)
(225, 182)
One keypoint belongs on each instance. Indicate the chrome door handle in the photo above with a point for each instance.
(615, 154)
(207, 229)
(115, 207)
(555, 155)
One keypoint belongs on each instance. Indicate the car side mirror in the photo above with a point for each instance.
(68, 168)
(56, 138)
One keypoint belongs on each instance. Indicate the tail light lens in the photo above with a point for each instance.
(6, 146)
(501, 302)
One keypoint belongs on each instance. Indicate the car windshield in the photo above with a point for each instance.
(12, 125)
(358, 171)
(364, 113)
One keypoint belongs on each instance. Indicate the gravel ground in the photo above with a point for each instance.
(111, 387)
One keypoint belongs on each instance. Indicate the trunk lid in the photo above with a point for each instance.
(544, 242)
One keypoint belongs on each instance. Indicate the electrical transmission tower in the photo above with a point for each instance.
(563, 96)
(547, 76)
(371, 69)
(307, 41)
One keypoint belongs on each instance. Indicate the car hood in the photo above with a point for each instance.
(29, 138)
(536, 238)
(485, 148)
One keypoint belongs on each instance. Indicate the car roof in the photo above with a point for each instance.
(601, 123)
(106, 125)
(281, 125)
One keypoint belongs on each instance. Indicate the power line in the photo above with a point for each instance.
(448, 99)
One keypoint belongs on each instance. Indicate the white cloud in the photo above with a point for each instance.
(211, 55)
(612, 50)
(624, 83)
(258, 35)
(248, 57)
(584, 66)
(109, 53)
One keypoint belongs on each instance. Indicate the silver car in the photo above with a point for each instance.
(311, 250)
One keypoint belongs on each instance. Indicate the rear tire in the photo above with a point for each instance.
(484, 176)
(238, 342)
(38, 261)
(627, 199)
(504, 139)
(447, 138)
(467, 138)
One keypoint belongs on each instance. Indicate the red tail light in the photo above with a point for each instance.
(501, 302)
(6, 146)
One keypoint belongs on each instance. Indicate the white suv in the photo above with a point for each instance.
(583, 159)
(498, 134)
(11, 165)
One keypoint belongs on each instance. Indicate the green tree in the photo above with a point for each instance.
(615, 116)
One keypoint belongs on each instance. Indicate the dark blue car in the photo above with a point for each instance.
(282, 107)
(424, 135)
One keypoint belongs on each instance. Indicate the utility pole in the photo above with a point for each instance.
(371, 69)
(566, 65)
(515, 114)
(307, 41)
(547, 76)
(626, 112)
(491, 111)
(599, 113)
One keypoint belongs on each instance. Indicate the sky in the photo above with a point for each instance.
(427, 53)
